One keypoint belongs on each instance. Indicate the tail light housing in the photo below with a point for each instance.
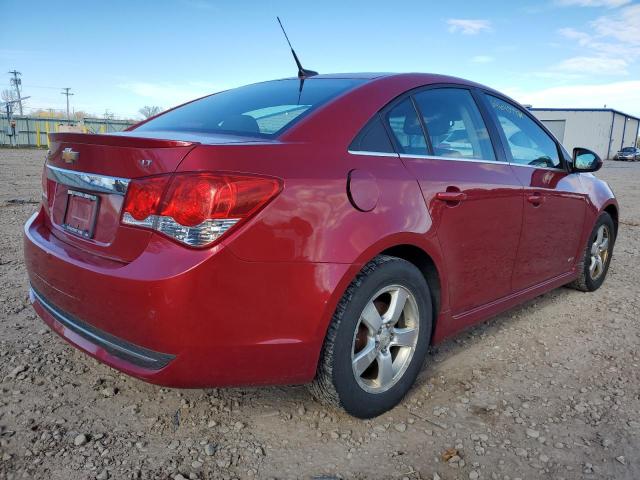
(196, 209)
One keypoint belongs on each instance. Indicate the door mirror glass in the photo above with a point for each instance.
(585, 160)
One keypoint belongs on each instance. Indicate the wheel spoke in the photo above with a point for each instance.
(600, 235)
(604, 245)
(364, 358)
(385, 368)
(371, 317)
(396, 306)
(592, 266)
(404, 337)
(599, 266)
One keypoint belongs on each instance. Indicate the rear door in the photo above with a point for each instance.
(554, 207)
(473, 196)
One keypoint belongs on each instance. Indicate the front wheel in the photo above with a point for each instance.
(594, 265)
(377, 340)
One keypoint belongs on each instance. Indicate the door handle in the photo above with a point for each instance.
(451, 196)
(536, 199)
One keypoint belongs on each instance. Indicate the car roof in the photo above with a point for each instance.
(409, 79)
(424, 77)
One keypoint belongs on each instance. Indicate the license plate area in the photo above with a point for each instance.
(81, 213)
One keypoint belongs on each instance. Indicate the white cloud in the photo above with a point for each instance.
(482, 59)
(594, 65)
(624, 96)
(612, 43)
(468, 26)
(624, 26)
(593, 3)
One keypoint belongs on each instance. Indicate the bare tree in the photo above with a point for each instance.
(8, 95)
(149, 111)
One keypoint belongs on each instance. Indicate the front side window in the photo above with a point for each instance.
(407, 131)
(263, 109)
(454, 124)
(528, 143)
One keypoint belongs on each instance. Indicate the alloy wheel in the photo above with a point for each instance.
(385, 339)
(599, 252)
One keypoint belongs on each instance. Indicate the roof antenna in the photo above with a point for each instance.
(302, 73)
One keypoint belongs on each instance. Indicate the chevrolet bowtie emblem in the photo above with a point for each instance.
(69, 156)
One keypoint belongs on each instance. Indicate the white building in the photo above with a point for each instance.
(603, 130)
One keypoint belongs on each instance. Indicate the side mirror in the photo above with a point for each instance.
(585, 160)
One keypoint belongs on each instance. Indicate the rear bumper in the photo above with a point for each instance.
(83, 333)
(185, 318)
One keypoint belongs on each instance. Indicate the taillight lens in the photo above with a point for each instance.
(196, 208)
(143, 197)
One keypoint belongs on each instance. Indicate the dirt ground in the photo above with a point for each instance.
(548, 390)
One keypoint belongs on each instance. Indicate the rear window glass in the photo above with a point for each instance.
(262, 109)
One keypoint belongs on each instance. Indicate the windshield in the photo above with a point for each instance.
(628, 149)
(263, 109)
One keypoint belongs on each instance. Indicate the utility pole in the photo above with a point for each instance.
(16, 82)
(66, 92)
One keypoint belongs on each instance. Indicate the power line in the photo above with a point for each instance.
(16, 82)
(66, 92)
(41, 86)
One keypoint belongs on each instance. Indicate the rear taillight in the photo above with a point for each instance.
(196, 208)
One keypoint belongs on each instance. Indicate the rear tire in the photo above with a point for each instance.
(377, 340)
(596, 258)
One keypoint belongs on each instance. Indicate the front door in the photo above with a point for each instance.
(554, 207)
(474, 199)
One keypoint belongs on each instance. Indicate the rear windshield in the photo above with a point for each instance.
(263, 109)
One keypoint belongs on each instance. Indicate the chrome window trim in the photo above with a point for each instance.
(451, 159)
(554, 169)
(88, 181)
(372, 154)
(435, 157)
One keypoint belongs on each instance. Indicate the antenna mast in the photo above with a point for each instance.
(302, 73)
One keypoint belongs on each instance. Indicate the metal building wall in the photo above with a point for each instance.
(604, 131)
(631, 132)
(588, 129)
(617, 133)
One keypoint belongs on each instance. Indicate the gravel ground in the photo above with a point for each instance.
(548, 390)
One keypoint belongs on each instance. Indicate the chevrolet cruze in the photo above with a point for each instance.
(321, 230)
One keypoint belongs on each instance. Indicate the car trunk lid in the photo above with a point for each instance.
(86, 180)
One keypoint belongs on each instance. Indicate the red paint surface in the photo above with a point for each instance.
(363, 191)
(254, 308)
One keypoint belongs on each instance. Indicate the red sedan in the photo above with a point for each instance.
(325, 231)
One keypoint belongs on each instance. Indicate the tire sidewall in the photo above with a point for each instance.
(353, 398)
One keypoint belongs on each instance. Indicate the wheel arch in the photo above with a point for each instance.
(612, 210)
(418, 250)
(427, 266)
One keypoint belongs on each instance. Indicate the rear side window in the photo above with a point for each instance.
(263, 109)
(372, 138)
(528, 143)
(406, 128)
(454, 124)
